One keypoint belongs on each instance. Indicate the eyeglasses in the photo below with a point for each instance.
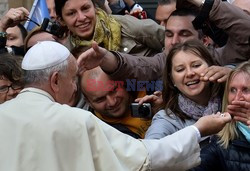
(5, 89)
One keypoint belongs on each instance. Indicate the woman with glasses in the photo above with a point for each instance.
(11, 76)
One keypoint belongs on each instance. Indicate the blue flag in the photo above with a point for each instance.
(38, 12)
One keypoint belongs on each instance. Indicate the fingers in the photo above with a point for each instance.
(91, 58)
(99, 51)
(18, 14)
(157, 93)
(147, 98)
(81, 61)
(212, 124)
(95, 47)
(215, 73)
(13, 17)
(240, 111)
(226, 117)
(24, 11)
(241, 119)
(21, 12)
(244, 104)
(248, 123)
(207, 73)
(222, 79)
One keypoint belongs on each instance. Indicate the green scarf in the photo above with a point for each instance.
(107, 33)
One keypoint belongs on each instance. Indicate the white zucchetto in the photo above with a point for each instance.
(44, 54)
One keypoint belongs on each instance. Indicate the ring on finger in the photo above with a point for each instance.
(222, 115)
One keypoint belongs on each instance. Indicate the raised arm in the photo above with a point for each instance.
(122, 66)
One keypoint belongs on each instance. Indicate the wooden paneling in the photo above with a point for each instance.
(20, 3)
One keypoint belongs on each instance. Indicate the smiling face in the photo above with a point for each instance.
(80, 17)
(110, 102)
(185, 73)
(239, 88)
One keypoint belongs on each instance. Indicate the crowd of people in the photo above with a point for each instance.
(120, 91)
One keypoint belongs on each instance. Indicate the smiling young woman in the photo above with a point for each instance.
(185, 97)
(127, 34)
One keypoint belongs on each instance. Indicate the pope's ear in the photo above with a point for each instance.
(54, 81)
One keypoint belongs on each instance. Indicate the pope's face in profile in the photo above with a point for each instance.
(67, 83)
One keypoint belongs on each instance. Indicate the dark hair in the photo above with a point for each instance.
(166, 2)
(59, 4)
(22, 30)
(10, 68)
(187, 12)
(184, 12)
(170, 92)
(78, 50)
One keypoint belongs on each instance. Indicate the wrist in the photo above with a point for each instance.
(197, 132)
(109, 63)
(2, 27)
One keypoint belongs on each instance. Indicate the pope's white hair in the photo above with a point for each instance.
(40, 77)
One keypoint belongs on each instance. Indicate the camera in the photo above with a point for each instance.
(141, 111)
(53, 27)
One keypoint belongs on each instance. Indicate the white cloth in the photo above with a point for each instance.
(44, 54)
(39, 134)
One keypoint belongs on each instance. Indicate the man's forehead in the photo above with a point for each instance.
(94, 95)
(180, 21)
(13, 30)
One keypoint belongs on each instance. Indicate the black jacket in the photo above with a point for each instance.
(235, 158)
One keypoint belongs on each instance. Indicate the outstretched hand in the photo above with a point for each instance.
(91, 58)
(13, 17)
(241, 111)
(155, 100)
(211, 124)
(215, 74)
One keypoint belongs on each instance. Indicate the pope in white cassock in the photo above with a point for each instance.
(40, 132)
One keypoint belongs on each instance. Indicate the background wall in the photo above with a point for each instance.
(6, 4)
(149, 5)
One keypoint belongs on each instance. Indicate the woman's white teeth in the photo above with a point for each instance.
(192, 82)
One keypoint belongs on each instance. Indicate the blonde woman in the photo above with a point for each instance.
(230, 149)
